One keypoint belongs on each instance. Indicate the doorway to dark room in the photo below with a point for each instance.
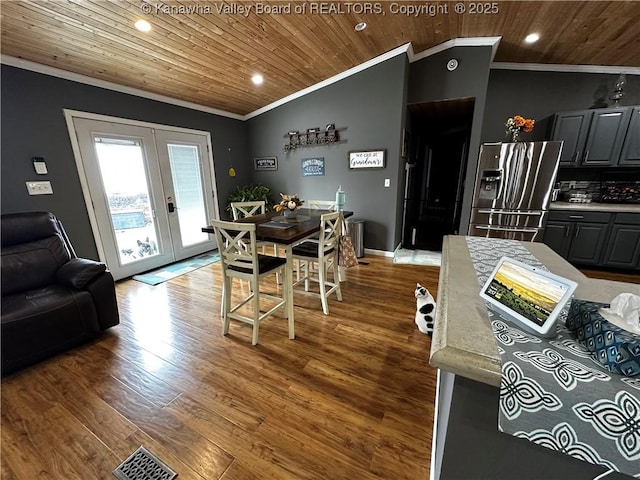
(437, 154)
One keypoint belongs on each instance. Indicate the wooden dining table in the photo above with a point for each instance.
(273, 227)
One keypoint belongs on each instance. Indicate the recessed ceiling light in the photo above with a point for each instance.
(360, 26)
(257, 79)
(532, 38)
(143, 25)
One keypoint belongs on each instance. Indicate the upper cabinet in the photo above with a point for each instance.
(631, 147)
(594, 137)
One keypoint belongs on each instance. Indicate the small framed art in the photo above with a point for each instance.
(367, 159)
(265, 163)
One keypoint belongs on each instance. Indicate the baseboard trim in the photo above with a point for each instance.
(379, 253)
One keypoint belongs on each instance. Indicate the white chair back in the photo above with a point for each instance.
(330, 231)
(321, 204)
(237, 245)
(247, 209)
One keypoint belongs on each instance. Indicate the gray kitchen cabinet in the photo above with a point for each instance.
(577, 236)
(586, 245)
(623, 246)
(572, 128)
(592, 137)
(557, 235)
(631, 147)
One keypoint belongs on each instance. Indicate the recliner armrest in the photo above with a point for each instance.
(78, 272)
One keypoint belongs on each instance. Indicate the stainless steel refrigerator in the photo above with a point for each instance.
(513, 189)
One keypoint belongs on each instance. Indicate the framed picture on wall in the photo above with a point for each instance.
(265, 163)
(367, 159)
(313, 167)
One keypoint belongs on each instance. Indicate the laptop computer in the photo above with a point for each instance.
(527, 296)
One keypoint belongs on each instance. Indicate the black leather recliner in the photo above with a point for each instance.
(51, 300)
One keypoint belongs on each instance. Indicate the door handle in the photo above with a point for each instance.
(171, 207)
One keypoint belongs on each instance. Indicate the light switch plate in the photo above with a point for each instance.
(39, 188)
(387, 182)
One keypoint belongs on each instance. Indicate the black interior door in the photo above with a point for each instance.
(437, 159)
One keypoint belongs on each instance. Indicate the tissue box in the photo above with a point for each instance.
(615, 348)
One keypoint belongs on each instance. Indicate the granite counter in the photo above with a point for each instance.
(596, 207)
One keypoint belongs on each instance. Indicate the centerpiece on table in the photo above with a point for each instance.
(289, 205)
(517, 124)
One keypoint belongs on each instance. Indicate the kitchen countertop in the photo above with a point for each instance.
(463, 342)
(597, 207)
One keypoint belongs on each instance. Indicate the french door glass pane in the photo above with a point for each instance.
(187, 187)
(124, 179)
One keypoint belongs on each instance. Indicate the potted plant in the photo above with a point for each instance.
(250, 193)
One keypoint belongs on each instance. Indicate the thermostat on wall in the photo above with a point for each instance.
(39, 165)
(452, 64)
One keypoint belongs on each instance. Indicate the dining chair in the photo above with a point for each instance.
(317, 205)
(240, 259)
(321, 204)
(248, 209)
(323, 254)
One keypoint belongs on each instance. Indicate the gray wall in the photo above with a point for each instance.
(539, 95)
(371, 105)
(32, 124)
(430, 81)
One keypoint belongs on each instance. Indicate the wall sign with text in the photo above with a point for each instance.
(265, 163)
(313, 167)
(367, 159)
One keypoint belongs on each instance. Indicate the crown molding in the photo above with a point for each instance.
(76, 77)
(556, 67)
(492, 42)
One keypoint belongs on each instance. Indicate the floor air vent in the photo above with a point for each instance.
(144, 465)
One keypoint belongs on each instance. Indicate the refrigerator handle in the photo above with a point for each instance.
(506, 229)
(576, 156)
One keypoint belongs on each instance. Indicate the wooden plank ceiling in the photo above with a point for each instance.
(198, 53)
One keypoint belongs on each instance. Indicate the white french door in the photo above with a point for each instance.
(151, 190)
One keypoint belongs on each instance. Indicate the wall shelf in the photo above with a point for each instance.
(313, 137)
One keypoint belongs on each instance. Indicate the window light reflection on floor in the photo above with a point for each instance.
(151, 321)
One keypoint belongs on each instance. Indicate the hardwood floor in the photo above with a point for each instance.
(352, 397)
(621, 276)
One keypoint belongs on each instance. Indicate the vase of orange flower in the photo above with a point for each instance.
(517, 124)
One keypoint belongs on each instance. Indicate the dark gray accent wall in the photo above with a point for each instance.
(430, 81)
(371, 105)
(539, 95)
(33, 124)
